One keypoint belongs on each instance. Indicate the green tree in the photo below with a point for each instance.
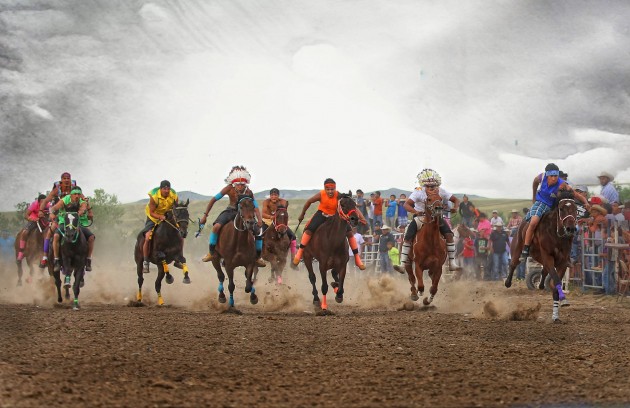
(624, 194)
(107, 210)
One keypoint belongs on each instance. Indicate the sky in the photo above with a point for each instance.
(124, 94)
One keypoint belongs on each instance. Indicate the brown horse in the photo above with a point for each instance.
(167, 245)
(429, 250)
(32, 251)
(330, 247)
(276, 243)
(236, 247)
(551, 245)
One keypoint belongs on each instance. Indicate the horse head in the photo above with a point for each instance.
(181, 217)
(464, 231)
(347, 209)
(567, 214)
(281, 220)
(434, 206)
(71, 226)
(245, 213)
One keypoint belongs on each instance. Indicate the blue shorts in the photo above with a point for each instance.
(538, 209)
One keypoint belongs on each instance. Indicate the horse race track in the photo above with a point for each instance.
(470, 350)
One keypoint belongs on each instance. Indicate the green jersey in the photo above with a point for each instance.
(67, 202)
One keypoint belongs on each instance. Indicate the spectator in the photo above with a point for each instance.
(626, 210)
(467, 211)
(514, 223)
(6, 246)
(403, 218)
(617, 212)
(393, 253)
(481, 257)
(384, 236)
(360, 243)
(498, 242)
(597, 228)
(378, 208)
(390, 213)
(370, 210)
(362, 206)
(496, 218)
(483, 226)
(468, 254)
(609, 192)
(582, 218)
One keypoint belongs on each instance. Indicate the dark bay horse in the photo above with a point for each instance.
(73, 249)
(236, 247)
(276, 243)
(429, 250)
(551, 246)
(167, 245)
(329, 246)
(32, 251)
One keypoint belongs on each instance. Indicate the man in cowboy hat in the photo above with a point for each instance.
(608, 188)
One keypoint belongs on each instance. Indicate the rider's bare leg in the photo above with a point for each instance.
(212, 242)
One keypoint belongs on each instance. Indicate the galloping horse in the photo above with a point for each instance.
(73, 249)
(166, 246)
(237, 248)
(33, 249)
(551, 245)
(330, 247)
(276, 243)
(429, 250)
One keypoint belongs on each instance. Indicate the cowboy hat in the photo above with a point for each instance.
(385, 227)
(514, 210)
(599, 208)
(607, 175)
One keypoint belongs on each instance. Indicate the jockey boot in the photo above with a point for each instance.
(88, 264)
(145, 267)
(209, 255)
(298, 256)
(43, 262)
(355, 250)
(56, 265)
(524, 254)
(452, 265)
(404, 258)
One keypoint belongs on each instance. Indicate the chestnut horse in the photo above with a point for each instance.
(551, 246)
(237, 248)
(330, 247)
(167, 245)
(429, 250)
(33, 249)
(276, 243)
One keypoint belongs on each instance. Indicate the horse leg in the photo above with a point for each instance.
(231, 285)
(216, 262)
(158, 283)
(311, 277)
(412, 281)
(335, 276)
(341, 279)
(420, 277)
(20, 273)
(436, 274)
(249, 285)
(76, 287)
(186, 279)
(169, 277)
(322, 271)
(57, 277)
(140, 280)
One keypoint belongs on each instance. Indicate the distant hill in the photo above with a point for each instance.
(296, 194)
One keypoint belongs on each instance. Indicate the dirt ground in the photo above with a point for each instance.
(480, 345)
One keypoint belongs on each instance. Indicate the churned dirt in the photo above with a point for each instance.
(479, 345)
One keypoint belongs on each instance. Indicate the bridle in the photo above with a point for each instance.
(180, 224)
(277, 226)
(248, 225)
(434, 208)
(70, 225)
(565, 231)
(345, 215)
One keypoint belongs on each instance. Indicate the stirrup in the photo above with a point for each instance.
(207, 258)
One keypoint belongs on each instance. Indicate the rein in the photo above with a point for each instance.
(176, 226)
(275, 223)
(433, 209)
(71, 226)
(238, 215)
(343, 215)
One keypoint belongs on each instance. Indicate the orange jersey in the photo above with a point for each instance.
(328, 205)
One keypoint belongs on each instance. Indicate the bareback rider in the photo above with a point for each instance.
(544, 198)
(31, 215)
(269, 208)
(69, 203)
(237, 185)
(328, 202)
(430, 182)
(161, 200)
(59, 190)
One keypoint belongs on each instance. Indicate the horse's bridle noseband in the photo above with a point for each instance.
(435, 210)
(565, 231)
(343, 215)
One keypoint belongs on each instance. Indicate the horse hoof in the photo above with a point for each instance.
(75, 307)
(414, 297)
(82, 284)
(19, 283)
(334, 285)
(338, 299)
(565, 303)
(426, 302)
(508, 283)
(221, 297)
(317, 303)
(186, 280)
(253, 299)
(169, 279)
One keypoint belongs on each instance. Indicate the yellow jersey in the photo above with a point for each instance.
(163, 204)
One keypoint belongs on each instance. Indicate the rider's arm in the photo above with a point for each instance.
(307, 204)
(535, 185)
(152, 208)
(265, 210)
(82, 208)
(257, 212)
(55, 208)
(213, 200)
(409, 204)
(48, 199)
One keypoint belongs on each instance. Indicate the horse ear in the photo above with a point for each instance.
(350, 193)
(187, 201)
